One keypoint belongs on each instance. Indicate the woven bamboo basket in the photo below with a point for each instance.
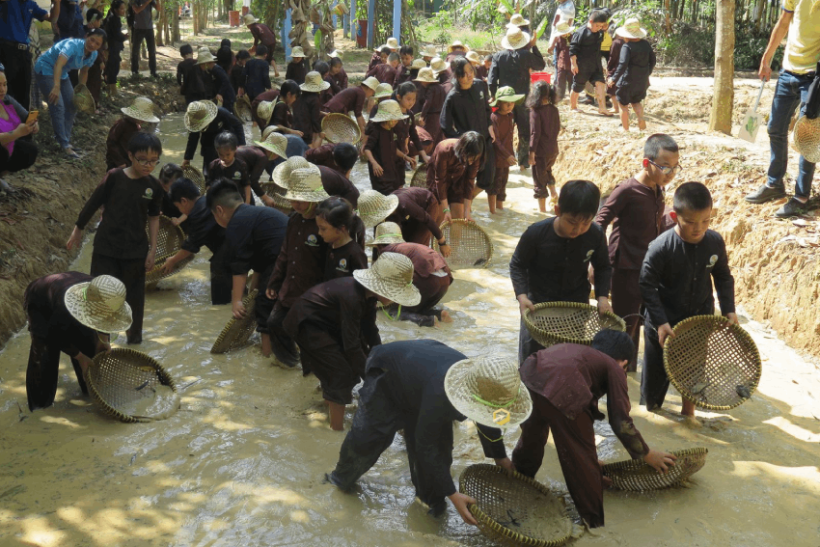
(340, 128)
(237, 332)
(242, 109)
(806, 138)
(470, 245)
(83, 101)
(156, 275)
(169, 238)
(195, 175)
(713, 364)
(122, 377)
(639, 476)
(514, 510)
(568, 322)
(275, 192)
(419, 179)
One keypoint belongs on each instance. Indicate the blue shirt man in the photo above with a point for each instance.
(15, 22)
(15, 19)
(72, 49)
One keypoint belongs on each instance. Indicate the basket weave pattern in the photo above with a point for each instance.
(275, 192)
(339, 128)
(514, 510)
(242, 109)
(123, 376)
(237, 332)
(713, 364)
(568, 322)
(419, 179)
(470, 245)
(195, 175)
(156, 274)
(639, 476)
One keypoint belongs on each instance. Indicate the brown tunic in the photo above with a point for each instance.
(382, 144)
(341, 262)
(257, 160)
(431, 112)
(306, 116)
(545, 123)
(340, 79)
(503, 127)
(562, 50)
(282, 116)
(431, 275)
(375, 59)
(418, 214)
(322, 155)
(384, 73)
(116, 145)
(269, 95)
(301, 260)
(449, 177)
(350, 99)
(297, 71)
(336, 184)
(402, 75)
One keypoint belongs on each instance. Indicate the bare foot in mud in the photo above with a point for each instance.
(692, 422)
(446, 317)
(642, 125)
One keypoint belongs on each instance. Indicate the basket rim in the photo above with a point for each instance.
(219, 339)
(159, 262)
(164, 376)
(633, 465)
(698, 455)
(474, 224)
(337, 115)
(561, 304)
(484, 518)
(736, 329)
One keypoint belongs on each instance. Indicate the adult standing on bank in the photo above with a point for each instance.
(143, 29)
(15, 52)
(15, 154)
(800, 19)
(51, 71)
(511, 67)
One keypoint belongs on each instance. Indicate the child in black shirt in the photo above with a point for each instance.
(257, 74)
(631, 78)
(676, 283)
(230, 167)
(552, 257)
(585, 59)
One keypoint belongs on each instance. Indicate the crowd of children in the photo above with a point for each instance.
(318, 300)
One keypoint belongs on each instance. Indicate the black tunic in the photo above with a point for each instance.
(254, 237)
(466, 110)
(224, 121)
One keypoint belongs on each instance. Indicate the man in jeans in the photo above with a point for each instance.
(15, 49)
(802, 24)
(143, 30)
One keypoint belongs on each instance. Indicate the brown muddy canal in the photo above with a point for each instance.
(242, 462)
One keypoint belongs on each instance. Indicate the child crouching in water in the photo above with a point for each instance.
(341, 229)
(503, 126)
(545, 123)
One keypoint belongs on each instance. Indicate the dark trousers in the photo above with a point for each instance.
(94, 81)
(137, 36)
(264, 305)
(23, 156)
(42, 373)
(221, 278)
(486, 174)
(374, 426)
(17, 63)
(526, 345)
(626, 303)
(322, 354)
(499, 188)
(563, 81)
(209, 154)
(522, 122)
(542, 176)
(432, 289)
(112, 66)
(284, 347)
(132, 273)
(654, 382)
(575, 445)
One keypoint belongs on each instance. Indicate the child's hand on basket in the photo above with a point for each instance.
(732, 317)
(524, 303)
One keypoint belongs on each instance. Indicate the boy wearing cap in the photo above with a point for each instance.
(637, 60)
(503, 122)
(116, 145)
(253, 239)
(431, 276)
(297, 67)
(420, 386)
(552, 257)
(301, 261)
(205, 121)
(307, 116)
(381, 150)
(585, 59)
(71, 313)
(334, 324)
(565, 383)
(202, 231)
(132, 199)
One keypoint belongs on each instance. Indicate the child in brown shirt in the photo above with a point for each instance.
(563, 67)
(381, 148)
(503, 123)
(545, 123)
(434, 96)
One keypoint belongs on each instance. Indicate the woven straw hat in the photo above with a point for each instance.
(341, 128)
(518, 20)
(282, 172)
(473, 57)
(382, 91)
(314, 83)
(489, 391)
(631, 29)
(83, 100)
(563, 28)
(515, 39)
(429, 51)
(388, 110)
(506, 94)
(205, 56)
(141, 110)
(439, 65)
(806, 138)
(199, 115)
(305, 185)
(392, 43)
(425, 75)
(275, 143)
(391, 276)
(336, 53)
(456, 44)
(418, 64)
(268, 130)
(250, 19)
(99, 304)
(374, 207)
(297, 52)
(370, 82)
(265, 110)
(386, 234)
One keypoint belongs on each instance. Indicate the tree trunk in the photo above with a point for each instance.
(723, 101)
(175, 37)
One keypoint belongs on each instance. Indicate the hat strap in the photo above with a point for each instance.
(85, 295)
(398, 313)
(505, 405)
(486, 437)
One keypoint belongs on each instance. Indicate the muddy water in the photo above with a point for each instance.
(242, 462)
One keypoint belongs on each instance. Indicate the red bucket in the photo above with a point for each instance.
(537, 76)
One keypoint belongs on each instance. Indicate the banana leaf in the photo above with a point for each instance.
(509, 6)
(542, 27)
(317, 40)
